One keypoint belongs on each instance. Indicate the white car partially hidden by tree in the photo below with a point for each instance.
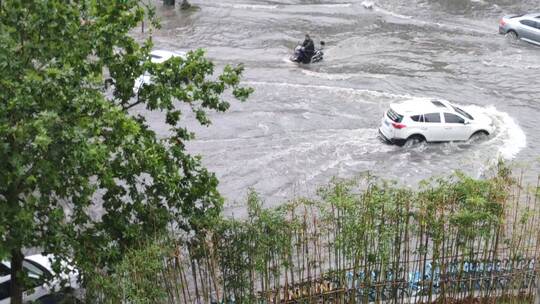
(156, 56)
(418, 120)
(45, 286)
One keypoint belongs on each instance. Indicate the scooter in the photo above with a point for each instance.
(299, 57)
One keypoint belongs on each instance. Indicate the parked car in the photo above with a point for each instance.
(45, 286)
(524, 27)
(429, 120)
(156, 56)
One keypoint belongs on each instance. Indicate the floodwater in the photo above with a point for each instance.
(307, 123)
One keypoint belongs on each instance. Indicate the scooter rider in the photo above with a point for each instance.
(308, 48)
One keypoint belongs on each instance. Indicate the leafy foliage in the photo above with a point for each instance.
(363, 240)
(69, 146)
(136, 279)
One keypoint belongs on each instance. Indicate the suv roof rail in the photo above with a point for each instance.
(438, 103)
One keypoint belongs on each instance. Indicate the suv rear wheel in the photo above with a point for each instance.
(512, 36)
(414, 140)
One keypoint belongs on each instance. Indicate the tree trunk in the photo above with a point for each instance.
(16, 286)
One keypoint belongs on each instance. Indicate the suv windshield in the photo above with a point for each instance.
(395, 117)
(460, 111)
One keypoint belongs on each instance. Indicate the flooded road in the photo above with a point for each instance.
(305, 124)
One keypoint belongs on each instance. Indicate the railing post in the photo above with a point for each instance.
(537, 282)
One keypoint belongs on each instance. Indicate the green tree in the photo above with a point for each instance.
(69, 146)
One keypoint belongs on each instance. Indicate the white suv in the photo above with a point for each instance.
(432, 121)
(156, 56)
(45, 286)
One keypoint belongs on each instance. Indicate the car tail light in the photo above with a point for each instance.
(398, 125)
(502, 22)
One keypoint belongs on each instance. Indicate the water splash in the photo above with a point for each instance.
(508, 134)
(328, 76)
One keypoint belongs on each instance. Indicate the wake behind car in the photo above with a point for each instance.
(524, 27)
(418, 120)
(45, 286)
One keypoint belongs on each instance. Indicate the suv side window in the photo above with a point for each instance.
(418, 118)
(452, 118)
(528, 23)
(36, 273)
(432, 117)
(4, 270)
